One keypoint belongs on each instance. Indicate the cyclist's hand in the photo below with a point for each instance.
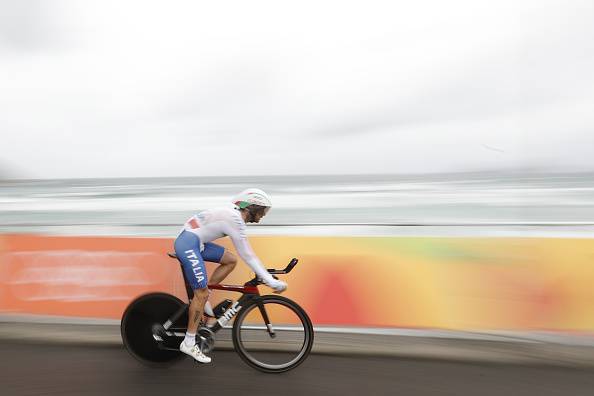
(278, 286)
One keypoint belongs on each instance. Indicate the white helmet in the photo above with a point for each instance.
(252, 196)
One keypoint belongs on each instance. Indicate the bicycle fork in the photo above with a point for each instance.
(236, 307)
(264, 314)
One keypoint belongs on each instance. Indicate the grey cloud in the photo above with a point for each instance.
(504, 83)
(531, 71)
(8, 171)
(232, 86)
(349, 125)
(235, 90)
(27, 25)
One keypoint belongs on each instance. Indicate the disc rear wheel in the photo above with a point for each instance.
(137, 328)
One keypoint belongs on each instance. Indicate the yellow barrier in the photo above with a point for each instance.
(449, 283)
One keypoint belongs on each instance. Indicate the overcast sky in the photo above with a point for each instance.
(141, 88)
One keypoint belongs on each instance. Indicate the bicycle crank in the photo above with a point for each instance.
(206, 339)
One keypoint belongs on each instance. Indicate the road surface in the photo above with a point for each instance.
(40, 369)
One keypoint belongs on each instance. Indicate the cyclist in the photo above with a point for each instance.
(194, 245)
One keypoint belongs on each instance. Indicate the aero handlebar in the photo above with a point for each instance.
(287, 269)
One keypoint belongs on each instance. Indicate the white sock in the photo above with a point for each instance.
(190, 339)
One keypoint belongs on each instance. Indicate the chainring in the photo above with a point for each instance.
(206, 339)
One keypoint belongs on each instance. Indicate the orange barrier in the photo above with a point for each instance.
(449, 283)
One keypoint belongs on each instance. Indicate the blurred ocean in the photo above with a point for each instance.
(495, 204)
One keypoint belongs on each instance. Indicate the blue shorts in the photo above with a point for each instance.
(187, 249)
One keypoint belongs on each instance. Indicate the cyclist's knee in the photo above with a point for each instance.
(201, 293)
(229, 259)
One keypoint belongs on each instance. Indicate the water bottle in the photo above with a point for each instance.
(221, 307)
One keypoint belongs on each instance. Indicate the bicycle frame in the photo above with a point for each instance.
(249, 291)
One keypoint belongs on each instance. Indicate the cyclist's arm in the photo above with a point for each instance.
(244, 249)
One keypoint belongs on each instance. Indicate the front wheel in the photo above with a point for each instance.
(273, 334)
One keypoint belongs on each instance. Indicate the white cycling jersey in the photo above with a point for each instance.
(223, 221)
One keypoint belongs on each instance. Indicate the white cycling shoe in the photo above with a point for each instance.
(195, 352)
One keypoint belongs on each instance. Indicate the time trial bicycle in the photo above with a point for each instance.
(270, 333)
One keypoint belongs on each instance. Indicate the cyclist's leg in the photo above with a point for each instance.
(217, 254)
(187, 249)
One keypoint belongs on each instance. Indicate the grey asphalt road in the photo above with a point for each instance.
(39, 369)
